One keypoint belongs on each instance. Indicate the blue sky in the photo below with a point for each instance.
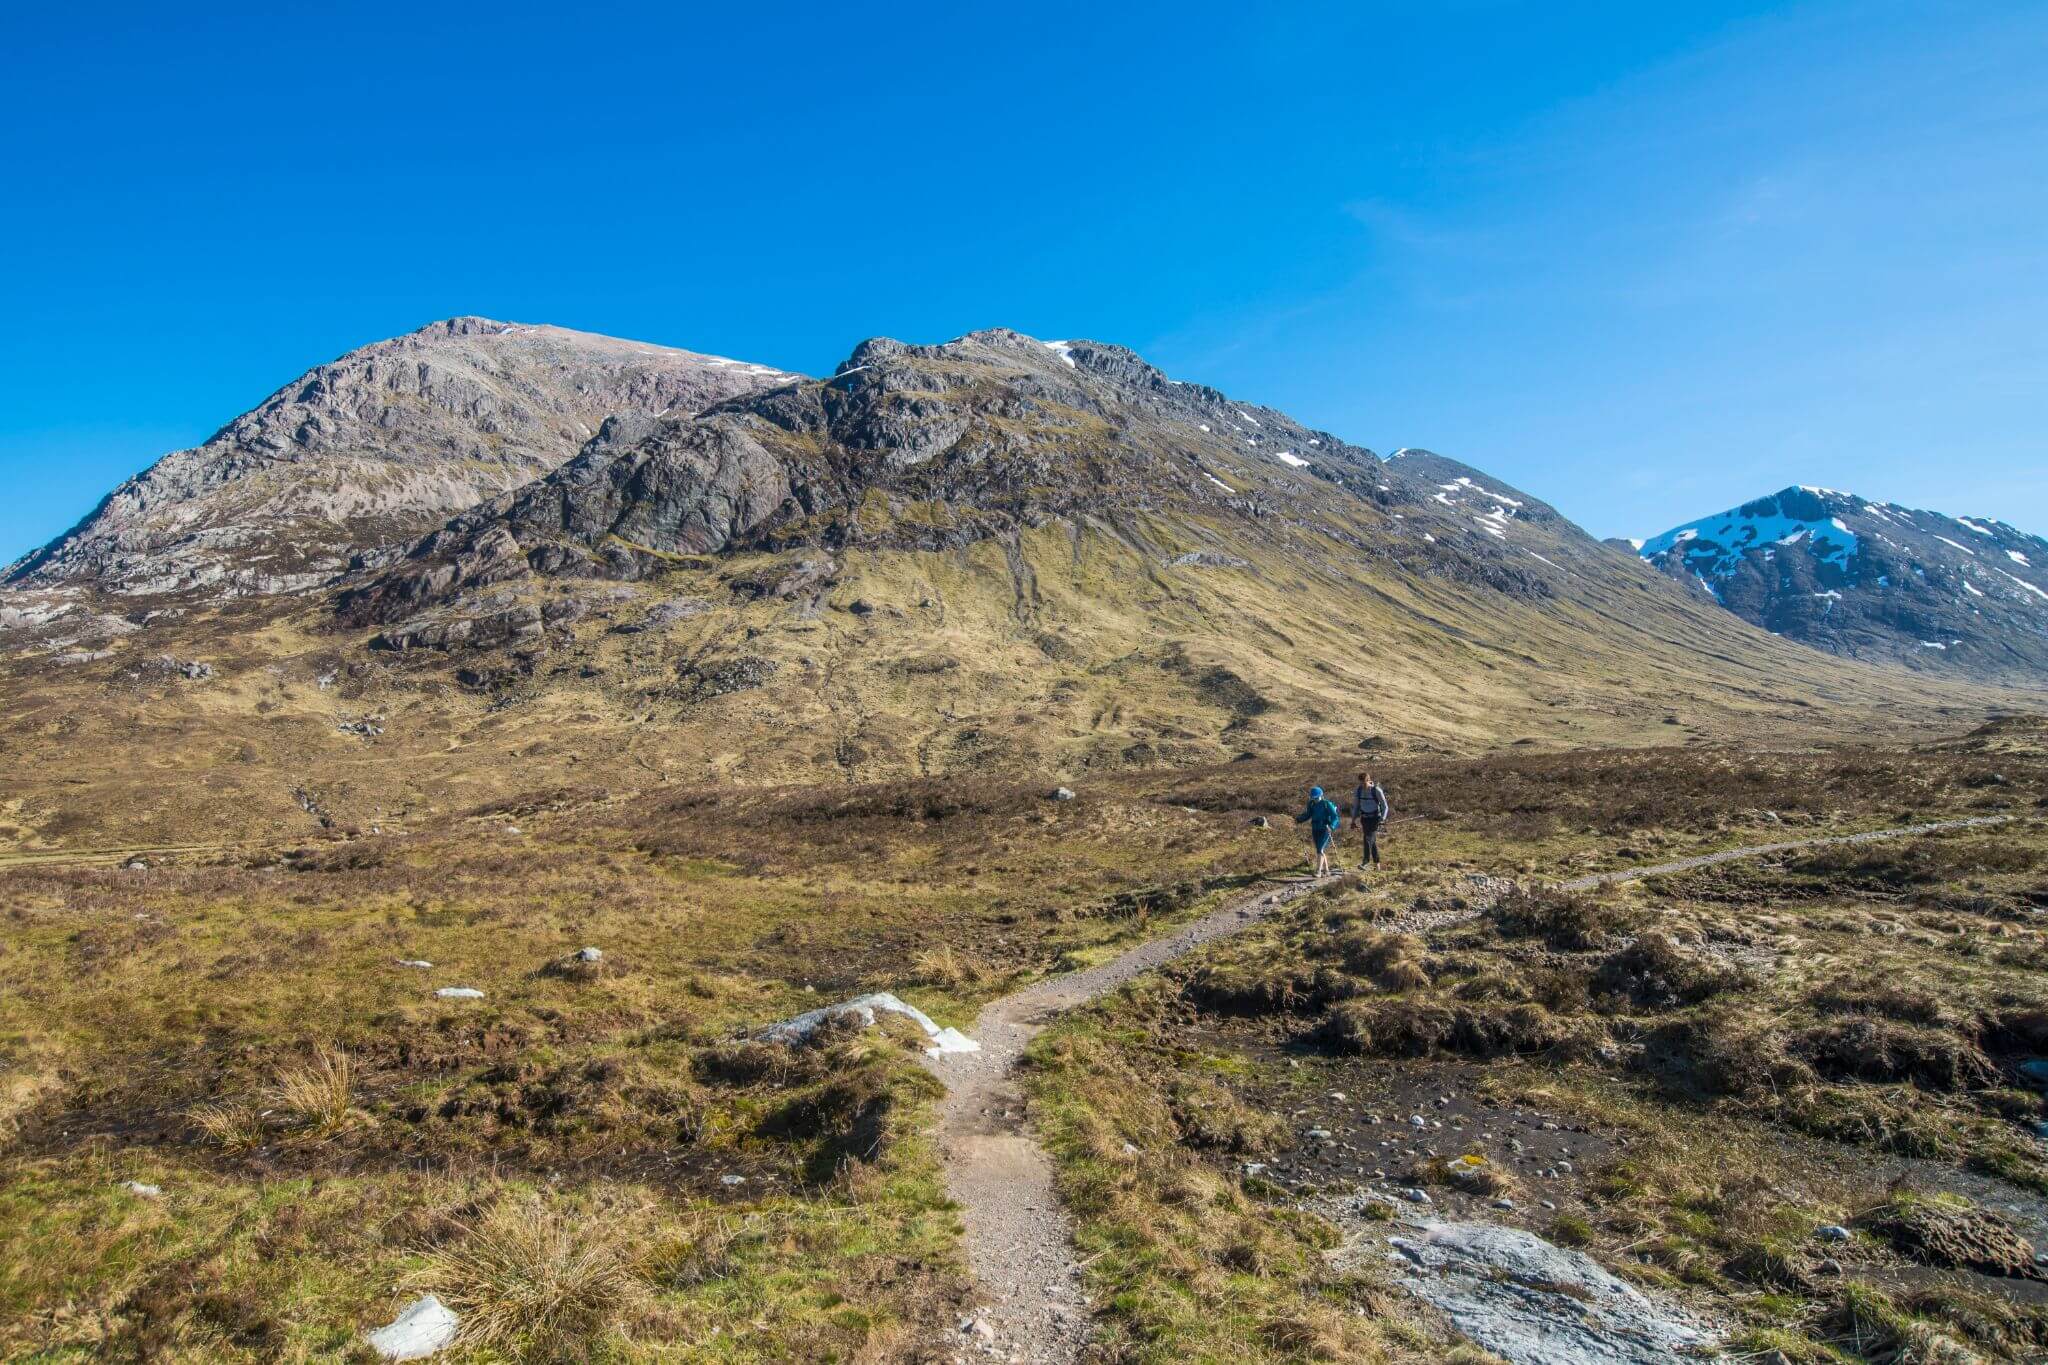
(1644, 261)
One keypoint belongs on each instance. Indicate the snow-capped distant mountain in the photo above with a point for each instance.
(1873, 580)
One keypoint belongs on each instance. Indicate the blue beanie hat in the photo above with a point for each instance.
(1314, 793)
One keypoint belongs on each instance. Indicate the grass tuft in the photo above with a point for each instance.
(537, 1278)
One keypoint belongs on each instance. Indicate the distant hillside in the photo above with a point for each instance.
(1954, 595)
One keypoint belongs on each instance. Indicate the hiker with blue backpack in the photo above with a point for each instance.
(1323, 819)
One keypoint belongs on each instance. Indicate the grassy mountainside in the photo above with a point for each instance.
(1075, 650)
(988, 559)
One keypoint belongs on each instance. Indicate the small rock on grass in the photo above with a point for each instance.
(142, 1191)
(418, 962)
(459, 993)
(425, 1326)
(1832, 1232)
(589, 955)
(1062, 793)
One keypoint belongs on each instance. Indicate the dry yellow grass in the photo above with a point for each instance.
(539, 1278)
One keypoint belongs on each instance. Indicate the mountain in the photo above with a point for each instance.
(992, 558)
(981, 439)
(1874, 581)
(370, 449)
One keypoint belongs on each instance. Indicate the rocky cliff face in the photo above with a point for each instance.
(371, 449)
(1874, 580)
(982, 438)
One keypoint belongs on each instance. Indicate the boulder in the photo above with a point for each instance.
(1534, 1303)
(863, 1009)
(425, 1326)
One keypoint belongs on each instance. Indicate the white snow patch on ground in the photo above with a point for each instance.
(1428, 537)
(1465, 482)
(1534, 555)
(1971, 588)
(2016, 557)
(1218, 482)
(1064, 350)
(2028, 586)
(1635, 542)
(1831, 593)
(1247, 417)
(1932, 644)
(1969, 525)
(1203, 425)
(1289, 457)
(1964, 548)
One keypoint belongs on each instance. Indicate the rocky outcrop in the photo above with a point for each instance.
(372, 450)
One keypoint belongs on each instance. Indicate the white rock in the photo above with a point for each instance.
(418, 962)
(1062, 793)
(731, 1180)
(427, 1325)
(950, 1039)
(1529, 1301)
(589, 955)
(460, 993)
(863, 1008)
(142, 1191)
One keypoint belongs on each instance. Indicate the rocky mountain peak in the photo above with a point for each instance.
(983, 437)
(1873, 580)
(371, 449)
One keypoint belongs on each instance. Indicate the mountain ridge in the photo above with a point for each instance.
(1873, 580)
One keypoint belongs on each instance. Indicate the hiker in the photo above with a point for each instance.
(1370, 810)
(1324, 819)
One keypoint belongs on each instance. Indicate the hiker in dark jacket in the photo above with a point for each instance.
(1369, 810)
(1323, 821)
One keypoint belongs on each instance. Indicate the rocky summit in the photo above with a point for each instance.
(933, 448)
(370, 449)
(1873, 581)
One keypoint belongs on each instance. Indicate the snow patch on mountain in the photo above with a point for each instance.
(1714, 546)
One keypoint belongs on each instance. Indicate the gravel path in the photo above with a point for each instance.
(1019, 1240)
(1020, 1244)
(1758, 850)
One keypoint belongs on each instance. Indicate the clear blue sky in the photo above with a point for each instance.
(1645, 261)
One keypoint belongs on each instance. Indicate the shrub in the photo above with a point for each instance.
(1562, 919)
